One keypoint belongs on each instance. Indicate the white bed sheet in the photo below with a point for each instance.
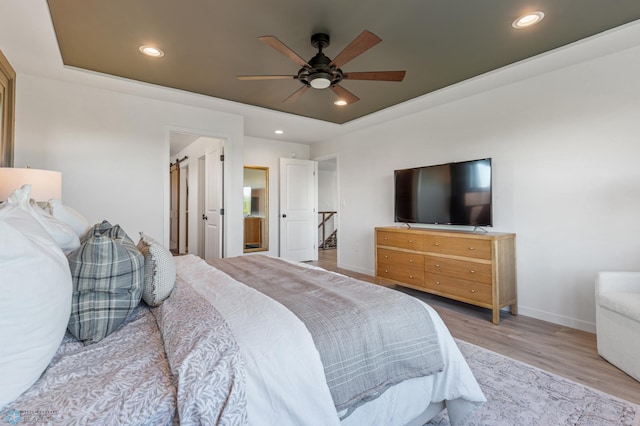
(285, 377)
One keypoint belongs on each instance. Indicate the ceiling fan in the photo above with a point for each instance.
(320, 72)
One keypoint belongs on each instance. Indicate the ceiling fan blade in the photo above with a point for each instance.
(376, 75)
(282, 48)
(295, 95)
(344, 94)
(365, 41)
(265, 77)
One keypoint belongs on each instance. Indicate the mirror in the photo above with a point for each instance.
(7, 110)
(255, 207)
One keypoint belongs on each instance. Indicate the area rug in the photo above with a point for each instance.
(519, 394)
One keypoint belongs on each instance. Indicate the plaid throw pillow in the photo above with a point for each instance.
(107, 272)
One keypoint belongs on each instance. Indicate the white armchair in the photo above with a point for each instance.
(618, 320)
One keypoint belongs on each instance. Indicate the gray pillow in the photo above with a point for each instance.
(107, 272)
(159, 270)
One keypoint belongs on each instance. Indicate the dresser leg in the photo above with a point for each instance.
(514, 309)
(496, 316)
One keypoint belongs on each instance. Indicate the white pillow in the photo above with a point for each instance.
(35, 300)
(159, 271)
(61, 233)
(69, 216)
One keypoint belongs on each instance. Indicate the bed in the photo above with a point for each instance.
(229, 345)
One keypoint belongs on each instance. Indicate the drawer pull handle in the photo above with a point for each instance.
(411, 241)
(410, 260)
(473, 291)
(411, 276)
(437, 265)
(436, 244)
(471, 248)
(385, 238)
(472, 271)
(386, 257)
(386, 271)
(437, 282)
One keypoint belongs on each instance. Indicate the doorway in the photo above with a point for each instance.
(196, 195)
(179, 213)
(328, 209)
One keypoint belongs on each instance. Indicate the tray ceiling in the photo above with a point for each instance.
(207, 44)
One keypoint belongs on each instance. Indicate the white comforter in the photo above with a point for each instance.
(285, 377)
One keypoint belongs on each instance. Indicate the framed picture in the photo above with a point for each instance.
(7, 108)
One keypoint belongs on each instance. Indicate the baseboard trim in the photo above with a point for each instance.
(557, 319)
(356, 269)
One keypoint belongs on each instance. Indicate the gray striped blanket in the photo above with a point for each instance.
(369, 337)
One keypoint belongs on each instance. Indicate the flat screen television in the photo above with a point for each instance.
(445, 194)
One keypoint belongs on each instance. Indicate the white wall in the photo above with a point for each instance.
(267, 153)
(113, 151)
(566, 177)
(327, 190)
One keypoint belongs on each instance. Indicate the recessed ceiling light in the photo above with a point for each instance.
(340, 102)
(528, 20)
(278, 132)
(151, 51)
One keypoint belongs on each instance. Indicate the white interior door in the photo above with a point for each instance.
(298, 209)
(183, 232)
(212, 217)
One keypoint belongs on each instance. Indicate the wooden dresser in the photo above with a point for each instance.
(475, 268)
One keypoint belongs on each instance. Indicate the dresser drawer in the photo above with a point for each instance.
(401, 240)
(401, 258)
(467, 247)
(459, 289)
(406, 275)
(466, 270)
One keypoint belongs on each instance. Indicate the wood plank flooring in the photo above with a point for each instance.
(561, 350)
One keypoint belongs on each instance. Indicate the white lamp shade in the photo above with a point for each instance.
(45, 184)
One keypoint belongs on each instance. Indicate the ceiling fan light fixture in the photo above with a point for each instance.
(340, 102)
(528, 20)
(320, 80)
(151, 51)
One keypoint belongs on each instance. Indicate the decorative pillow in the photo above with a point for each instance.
(35, 300)
(159, 270)
(107, 272)
(69, 216)
(61, 233)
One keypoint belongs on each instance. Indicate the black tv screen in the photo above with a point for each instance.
(445, 194)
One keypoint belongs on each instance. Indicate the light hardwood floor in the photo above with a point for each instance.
(561, 350)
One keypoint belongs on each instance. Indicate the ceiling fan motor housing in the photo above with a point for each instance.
(320, 75)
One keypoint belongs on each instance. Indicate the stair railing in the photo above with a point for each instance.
(326, 215)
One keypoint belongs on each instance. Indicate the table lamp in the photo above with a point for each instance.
(45, 184)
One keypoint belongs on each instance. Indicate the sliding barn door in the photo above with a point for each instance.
(174, 213)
